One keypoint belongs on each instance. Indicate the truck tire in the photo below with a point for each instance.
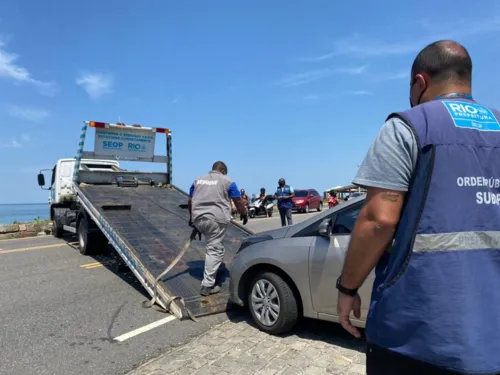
(281, 303)
(90, 243)
(57, 228)
(58, 222)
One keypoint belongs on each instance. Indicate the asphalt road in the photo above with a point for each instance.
(260, 224)
(61, 311)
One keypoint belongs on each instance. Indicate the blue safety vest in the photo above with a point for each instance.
(436, 296)
(283, 192)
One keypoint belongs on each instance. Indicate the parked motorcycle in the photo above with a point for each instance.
(257, 208)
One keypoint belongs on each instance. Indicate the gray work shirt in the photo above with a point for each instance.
(391, 159)
(211, 194)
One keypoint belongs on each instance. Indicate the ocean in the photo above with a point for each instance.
(23, 213)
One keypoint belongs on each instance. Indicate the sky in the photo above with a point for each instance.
(275, 89)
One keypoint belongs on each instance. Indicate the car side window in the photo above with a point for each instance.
(345, 220)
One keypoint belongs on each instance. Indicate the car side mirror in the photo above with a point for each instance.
(325, 228)
(41, 180)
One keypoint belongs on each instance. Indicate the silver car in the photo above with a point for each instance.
(290, 272)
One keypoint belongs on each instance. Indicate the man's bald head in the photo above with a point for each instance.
(444, 61)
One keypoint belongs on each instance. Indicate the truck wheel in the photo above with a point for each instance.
(58, 216)
(272, 303)
(320, 208)
(57, 228)
(90, 243)
(307, 209)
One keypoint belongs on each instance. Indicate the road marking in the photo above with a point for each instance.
(96, 264)
(27, 238)
(146, 328)
(2, 252)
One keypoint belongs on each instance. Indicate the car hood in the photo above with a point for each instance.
(299, 198)
(272, 234)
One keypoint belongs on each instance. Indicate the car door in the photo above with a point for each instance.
(326, 260)
(316, 198)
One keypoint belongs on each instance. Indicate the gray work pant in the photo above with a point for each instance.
(286, 215)
(214, 233)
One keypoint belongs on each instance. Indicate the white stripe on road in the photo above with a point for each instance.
(146, 328)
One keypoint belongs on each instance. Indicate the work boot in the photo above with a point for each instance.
(207, 291)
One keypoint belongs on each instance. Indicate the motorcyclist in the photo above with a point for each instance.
(263, 195)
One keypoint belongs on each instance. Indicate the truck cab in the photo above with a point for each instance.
(62, 197)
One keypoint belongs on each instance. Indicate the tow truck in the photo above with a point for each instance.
(141, 214)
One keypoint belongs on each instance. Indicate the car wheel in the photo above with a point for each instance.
(307, 209)
(320, 208)
(272, 303)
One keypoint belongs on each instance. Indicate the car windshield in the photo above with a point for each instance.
(301, 193)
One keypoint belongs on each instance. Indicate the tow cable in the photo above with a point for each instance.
(152, 302)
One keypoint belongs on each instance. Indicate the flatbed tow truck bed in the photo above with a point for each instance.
(149, 228)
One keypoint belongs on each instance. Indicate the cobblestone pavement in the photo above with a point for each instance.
(237, 347)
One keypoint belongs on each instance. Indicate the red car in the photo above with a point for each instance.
(307, 200)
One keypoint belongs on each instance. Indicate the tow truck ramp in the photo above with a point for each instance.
(147, 224)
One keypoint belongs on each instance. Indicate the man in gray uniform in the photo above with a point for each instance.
(210, 213)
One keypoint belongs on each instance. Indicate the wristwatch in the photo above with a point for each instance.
(349, 292)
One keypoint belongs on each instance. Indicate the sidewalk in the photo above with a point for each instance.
(236, 347)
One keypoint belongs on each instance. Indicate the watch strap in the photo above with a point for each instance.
(343, 290)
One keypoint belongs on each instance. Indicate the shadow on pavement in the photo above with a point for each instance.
(310, 329)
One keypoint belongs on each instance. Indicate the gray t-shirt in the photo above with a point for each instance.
(391, 159)
(211, 194)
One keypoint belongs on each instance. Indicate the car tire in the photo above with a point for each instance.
(320, 207)
(90, 243)
(285, 305)
(307, 209)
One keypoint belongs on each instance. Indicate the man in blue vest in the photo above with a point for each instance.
(433, 181)
(284, 195)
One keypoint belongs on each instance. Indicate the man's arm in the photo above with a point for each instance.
(292, 192)
(386, 173)
(373, 232)
(190, 199)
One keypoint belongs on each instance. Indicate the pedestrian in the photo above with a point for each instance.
(245, 200)
(332, 199)
(435, 306)
(284, 194)
(210, 213)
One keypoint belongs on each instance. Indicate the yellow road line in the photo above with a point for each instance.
(95, 264)
(33, 248)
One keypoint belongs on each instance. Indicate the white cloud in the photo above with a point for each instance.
(12, 144)
(392, 76)
(363, 46)
(9, 69)
(96, 84)
(25, 137)
(311, 97)
(360, 46)
(175, 100)
(314, 75)
(27, 113)
(359, 93)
